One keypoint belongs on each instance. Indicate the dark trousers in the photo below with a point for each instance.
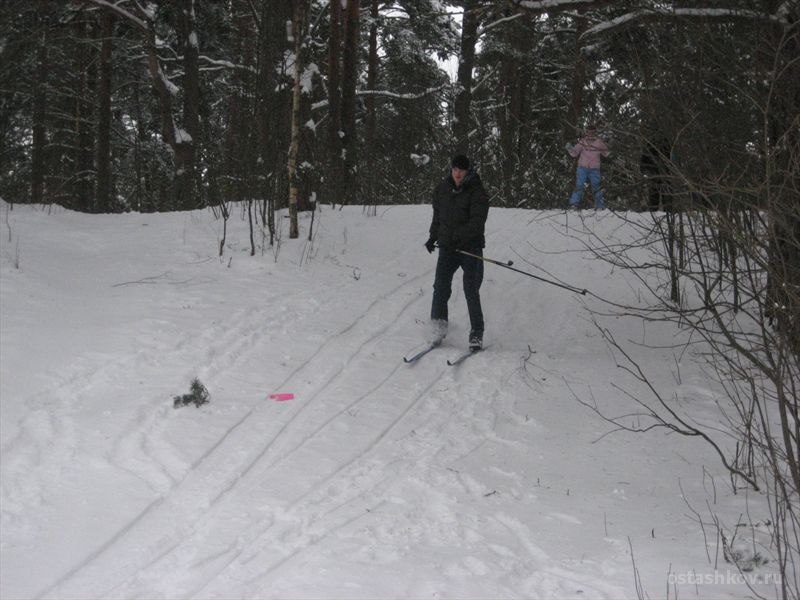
(447, 265)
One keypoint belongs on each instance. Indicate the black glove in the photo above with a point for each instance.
(456, 243)
(430, 245)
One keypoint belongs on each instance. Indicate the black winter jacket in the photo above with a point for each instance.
(459, 213)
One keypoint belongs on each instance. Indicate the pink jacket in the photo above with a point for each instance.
(588, 151)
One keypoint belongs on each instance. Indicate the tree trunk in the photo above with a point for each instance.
(39, 111)
(297, 33)
(143, 176)
(81, 172)
(573, 121)
(177, 139)
(349, 82)
(466, 62)
(514, 83)
(187, 190)
(269, 112)
(103, 190)
(335, 176)
(372, 78)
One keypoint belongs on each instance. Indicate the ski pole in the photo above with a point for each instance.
(508, 264)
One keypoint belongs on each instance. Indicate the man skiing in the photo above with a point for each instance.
(460, 207)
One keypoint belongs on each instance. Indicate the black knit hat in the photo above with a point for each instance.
(460, 161)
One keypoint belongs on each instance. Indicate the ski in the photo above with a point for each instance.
(421, 353)
(459, 359)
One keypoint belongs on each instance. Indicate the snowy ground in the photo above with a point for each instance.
(379, 479)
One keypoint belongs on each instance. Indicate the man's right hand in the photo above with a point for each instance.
(430, 245)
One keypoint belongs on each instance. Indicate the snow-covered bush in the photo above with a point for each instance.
(198, 395)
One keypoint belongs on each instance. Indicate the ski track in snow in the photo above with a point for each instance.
(238, 437)
(380, 445)
(229, 480)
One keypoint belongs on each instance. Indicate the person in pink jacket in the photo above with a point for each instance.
(588, 151)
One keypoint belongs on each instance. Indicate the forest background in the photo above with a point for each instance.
(109, 106)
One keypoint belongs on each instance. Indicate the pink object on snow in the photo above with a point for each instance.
(281, 397)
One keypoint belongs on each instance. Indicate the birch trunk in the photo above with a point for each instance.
(297, 33)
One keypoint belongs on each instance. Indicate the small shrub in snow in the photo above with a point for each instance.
(198, 395)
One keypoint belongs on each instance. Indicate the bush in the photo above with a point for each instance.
(198, 395)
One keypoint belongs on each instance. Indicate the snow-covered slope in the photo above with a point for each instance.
(379, 479)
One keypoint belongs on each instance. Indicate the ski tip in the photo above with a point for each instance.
(465, 356)
(421, 353)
